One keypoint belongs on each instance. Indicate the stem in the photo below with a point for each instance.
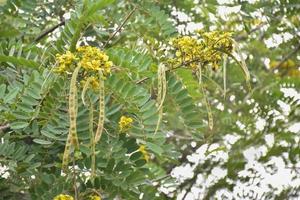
(167, 70)
(48, 31)
(76, 35)
(81, 20)
(119, 28)
(287, 57)
(74, 178)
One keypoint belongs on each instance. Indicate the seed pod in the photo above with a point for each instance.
(101, 108)
(73, 107)
(162, 90)
(224, 75)
(92, 141)
(207, 104)
(242, 64)
(84, 90)
(66, 155)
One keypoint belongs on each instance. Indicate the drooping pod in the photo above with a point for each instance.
(92, 141)
(72, 138)
(161, 94)
(207, 104)
(101, 108)
(66, 154)
(84, 90)
(224, 75)
(73, 108)
(91, 126)
(242, 64)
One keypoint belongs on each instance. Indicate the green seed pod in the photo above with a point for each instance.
(66, 155)
(242, 64)
(161, 94)
(73, 104)
(84, 90)
(92, 141)
(207, 104)
(224, 75)
(72, 138)
(101, 108)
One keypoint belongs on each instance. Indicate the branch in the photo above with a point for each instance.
(241, 37)
(120, 27)
(50, 30)
(173, 68)
(287, 57)
(74, 178)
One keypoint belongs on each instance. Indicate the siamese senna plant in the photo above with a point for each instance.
(203, 51)
(105, 99)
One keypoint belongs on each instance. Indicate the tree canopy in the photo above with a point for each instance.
(173, 99)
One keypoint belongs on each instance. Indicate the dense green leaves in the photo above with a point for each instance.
(138, 164)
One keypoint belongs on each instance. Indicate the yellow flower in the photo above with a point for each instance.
(93, 59)
(94, 83)
(206, 50)
(125, 123)
(94, 197)
(286, 64)
(178, 53)
(143, 150)
(63, 197)
(64, 61)
(294, 72)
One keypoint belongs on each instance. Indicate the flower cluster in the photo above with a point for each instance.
(207, 48)
(288, 67)
(64, 62)
(63, 197)
(90, 58)
(94, 197)
(93, 82)
(286, 64)
(125, 123)
(145, 153)
(188, 51)
(218, 40)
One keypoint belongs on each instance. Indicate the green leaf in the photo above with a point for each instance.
(19, 125)
(155, 148)
(11, 95)
(97, 6)
(2, 90)
(19, 61)
(43, 142)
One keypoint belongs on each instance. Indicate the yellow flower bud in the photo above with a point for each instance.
(63, 197)
(125, 123)
(143, 150)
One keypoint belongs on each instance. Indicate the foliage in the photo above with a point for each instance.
(101, 98)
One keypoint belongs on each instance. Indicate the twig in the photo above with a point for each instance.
(120, 27)
(190, 182)
(50, 30)
(287, 57)
(4, 127)
(241, 37)
(173, 68)
(74, 177)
